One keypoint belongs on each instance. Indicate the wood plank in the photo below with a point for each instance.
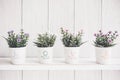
(88, 75)
(10, 75)
(61, 75)
(34, 22)
(87, 18)
(60, 15)
(110, 75)
(111, 21)
(58, 64)
(35, 75)
(10, 19)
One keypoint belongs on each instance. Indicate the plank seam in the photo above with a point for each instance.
(74, 16)
(22, 14)
(48, 27)
(101, 14)
(101, 75)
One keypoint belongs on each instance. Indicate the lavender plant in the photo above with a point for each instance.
(45, 40)
(17, 40)
(105, 40)
(71, 40)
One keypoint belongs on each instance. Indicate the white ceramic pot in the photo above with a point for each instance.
(71, 55)
(46, 55)
(18, 55)
(103, 55)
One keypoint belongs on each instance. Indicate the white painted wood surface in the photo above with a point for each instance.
(59, 64)
(60, 15)
(10, 19)
(110, 75)
(88, 18)
(111, 20)
(61, 75)
(35, 15)
(39, 16)
(88, 75)
(35, 75)
(10, 75)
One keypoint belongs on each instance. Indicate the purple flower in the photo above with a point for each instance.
(116, 32)
(113, 33)
(110, 32)
(109, 40)
(103, 35)
(95, 35)
(26, 34)
(100, 31)
(18, 36)
(66, 30)
(117, 35)
(18, 40)
(21, 30)
(10, 32)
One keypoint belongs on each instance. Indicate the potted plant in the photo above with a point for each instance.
(45, 43)
(72, 43)
(17, 46)
(103, 45)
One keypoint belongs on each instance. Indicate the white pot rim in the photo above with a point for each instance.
(103, 47)
(71, 47)
(44, 47)
(17, 47)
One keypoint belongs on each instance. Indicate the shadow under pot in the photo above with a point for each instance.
(45, 55)
(18, 55)
(71, 55)
(103, 55)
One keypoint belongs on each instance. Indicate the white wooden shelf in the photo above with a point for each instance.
(58, 64)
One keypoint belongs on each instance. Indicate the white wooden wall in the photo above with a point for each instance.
(39, 16)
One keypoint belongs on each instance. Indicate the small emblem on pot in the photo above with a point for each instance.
(71, 55)
(45, 55)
